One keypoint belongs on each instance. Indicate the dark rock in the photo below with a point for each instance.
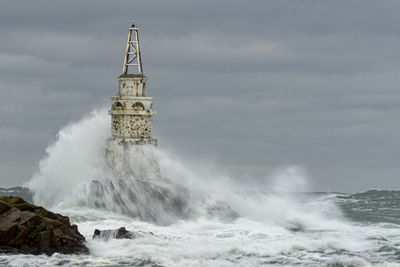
(222, 211)
(120, 233)
(295, 227)
(29, 229)
(96, 233)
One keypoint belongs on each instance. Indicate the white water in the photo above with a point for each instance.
(261, 236)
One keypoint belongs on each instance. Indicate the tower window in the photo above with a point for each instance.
(118, 106)
(138, 106)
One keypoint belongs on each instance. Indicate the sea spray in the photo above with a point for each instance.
(281, 198)
(279, 223)
(74, 172)
(76, 156)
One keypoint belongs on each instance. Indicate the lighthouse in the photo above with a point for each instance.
(131, 112)
(131, 182)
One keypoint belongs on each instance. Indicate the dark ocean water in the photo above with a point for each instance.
(19, 191)
(373, 206)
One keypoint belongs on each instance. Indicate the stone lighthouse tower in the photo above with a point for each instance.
(133, 184)
(131, 110)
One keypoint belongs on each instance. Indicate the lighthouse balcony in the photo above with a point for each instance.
(132, 98)
(128, 102)
(150, 112)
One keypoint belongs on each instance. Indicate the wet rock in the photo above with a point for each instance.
(222, 211)
(30, 229)
(295, 227)
(120, 233)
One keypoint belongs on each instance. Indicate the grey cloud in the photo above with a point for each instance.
(252, 85)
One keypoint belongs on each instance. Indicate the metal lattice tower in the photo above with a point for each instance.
(132, 53)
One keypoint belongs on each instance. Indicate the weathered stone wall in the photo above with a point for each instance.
(132, 86)
(128, 126)
(131, 112)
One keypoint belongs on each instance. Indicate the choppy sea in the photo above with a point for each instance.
(365, 232)
(279, 224)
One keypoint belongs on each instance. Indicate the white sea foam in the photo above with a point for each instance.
(278, 224)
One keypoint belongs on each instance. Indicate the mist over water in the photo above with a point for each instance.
(278, 224)
(78, 156)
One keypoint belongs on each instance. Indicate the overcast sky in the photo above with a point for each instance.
(251, 85)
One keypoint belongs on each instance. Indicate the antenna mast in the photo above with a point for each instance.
(132, 54)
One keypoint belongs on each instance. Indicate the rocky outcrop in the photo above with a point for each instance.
(29, 229)
(120, 233)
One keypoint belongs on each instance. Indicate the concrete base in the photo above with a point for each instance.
(129, 159)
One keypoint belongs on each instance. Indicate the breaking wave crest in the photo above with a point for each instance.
(75, 157)
(195, 214)
(74, 172)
